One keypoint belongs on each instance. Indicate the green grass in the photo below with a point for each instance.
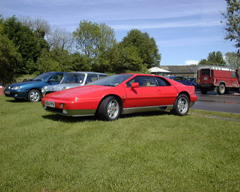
(40, 151)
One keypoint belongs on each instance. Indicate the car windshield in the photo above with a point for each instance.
(113, 80)
(73, 78)
(43, 76)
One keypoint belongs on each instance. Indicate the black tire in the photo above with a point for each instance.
(34, 95)
(181, 105)
(204, 90)
(221, 89)
(109, 109)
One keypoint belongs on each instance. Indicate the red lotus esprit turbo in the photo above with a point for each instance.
(122, 94)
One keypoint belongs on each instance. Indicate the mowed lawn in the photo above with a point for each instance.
(40, 151)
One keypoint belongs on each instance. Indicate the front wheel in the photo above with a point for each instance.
(181, 105)
(109, 109)
(221, 89)
(34, 95)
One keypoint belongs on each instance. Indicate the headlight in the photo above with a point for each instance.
(43, 90)
(16, 87)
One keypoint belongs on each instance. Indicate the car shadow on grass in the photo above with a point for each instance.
(55, 117)
(146, 114)
(17, 101)
(66, 119)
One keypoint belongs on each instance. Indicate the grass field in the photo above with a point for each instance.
(40, 151)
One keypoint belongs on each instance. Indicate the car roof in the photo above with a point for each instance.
(85, 72)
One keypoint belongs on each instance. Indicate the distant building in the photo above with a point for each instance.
(159, 71)
(181, 70)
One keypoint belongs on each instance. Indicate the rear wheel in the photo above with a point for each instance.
(221, 89)
(181, 105)
(34, 95)
(109, 109)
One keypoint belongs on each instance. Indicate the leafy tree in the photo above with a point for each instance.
(80, 62)
(94, 41)
(35, 24)
(46, 63)
(214, 58)
(232, 17)
(232, 59)
(29, 45)
(9, 59)
(144, 49)
(60, 39)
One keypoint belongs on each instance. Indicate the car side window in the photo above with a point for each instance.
(234, 75)
(144, 81)
(80, 78)
(91, 78)
(102, 76)
(57, 77)
(162, 82)
(134, 80)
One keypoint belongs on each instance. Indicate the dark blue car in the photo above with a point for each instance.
(31, 89)
(181, 79)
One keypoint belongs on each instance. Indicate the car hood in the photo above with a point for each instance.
(24, 83)
(83, 92)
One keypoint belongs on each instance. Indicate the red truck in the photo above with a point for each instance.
(218, 79)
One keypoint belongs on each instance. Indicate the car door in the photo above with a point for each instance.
(145, 94)
(167, 92)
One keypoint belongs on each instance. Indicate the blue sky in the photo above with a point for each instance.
(185, 30)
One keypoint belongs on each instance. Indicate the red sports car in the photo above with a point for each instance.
(112, 96)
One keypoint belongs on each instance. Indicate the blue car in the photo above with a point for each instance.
(31, 89)
(193, 80)
(182, 80)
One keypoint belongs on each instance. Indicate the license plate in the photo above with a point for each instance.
(7, 92)
(49, 104)
(205, 78)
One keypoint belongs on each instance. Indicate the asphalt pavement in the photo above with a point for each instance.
(213, 102)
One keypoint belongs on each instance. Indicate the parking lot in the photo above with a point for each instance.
(213, 102)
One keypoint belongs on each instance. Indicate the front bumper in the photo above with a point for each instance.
(71, 112)
(19, 94)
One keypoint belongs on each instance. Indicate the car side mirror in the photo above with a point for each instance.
(134, 85)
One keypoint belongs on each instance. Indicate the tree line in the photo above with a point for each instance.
(30, 46)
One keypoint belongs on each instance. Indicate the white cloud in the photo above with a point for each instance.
(191, 62)
(161, 25)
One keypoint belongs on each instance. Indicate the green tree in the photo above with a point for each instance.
(60, 39)
(143, 47)
(47, 63)
(29, 44)
(9, 60)
(214, 58)
(94, 41)
(232, 59)
(79, 62)
(232, 17)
